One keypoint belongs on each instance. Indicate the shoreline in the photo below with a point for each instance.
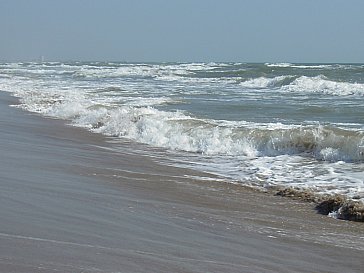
(71, 201)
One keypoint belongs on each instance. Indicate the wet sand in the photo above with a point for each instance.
(72, 201)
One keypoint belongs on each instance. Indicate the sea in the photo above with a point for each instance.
(260, 125)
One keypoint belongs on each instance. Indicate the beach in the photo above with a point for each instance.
(73, 201)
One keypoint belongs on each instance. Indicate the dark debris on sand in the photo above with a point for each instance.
(343, 208)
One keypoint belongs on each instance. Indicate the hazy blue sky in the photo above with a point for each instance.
(183, 30)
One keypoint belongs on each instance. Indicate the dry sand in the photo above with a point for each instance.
(72, 201)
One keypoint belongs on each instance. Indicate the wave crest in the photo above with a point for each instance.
(305, 84)
(321, 84)
(263, 82)
(177, 131)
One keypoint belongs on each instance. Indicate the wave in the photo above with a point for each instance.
(321, 84)
(278, 64)
(160, 71)
(263, 82)
(112, 72)
(305, 84)
(178, 131)
(308, 66)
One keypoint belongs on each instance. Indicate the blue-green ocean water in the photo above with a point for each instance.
(285, 124)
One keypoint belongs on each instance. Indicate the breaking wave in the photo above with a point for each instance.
(178, 131)
(309, 66)
(305, 84)
(263, 82)
(321, 84)
(174, 130)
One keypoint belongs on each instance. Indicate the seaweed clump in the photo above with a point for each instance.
(351, 210)
(330, 204)
(337, 205)
(342, 208)
(300, 194)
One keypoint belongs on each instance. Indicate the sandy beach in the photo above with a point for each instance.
(73, 201)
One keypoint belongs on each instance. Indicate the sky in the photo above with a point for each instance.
(310, 31)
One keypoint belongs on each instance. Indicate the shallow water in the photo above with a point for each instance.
(257, 124)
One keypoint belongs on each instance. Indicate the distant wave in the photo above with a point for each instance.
(305, 84)
(308, 66)
(165, 71)
(321, 84)
(263, 82)
(278, 64)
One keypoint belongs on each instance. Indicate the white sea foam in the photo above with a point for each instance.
(167, 71)
(305, 84)
(278, 64)
(320, 84)
(306, 66)
(123, 71)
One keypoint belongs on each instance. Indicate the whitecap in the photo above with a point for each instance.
(321, 84)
